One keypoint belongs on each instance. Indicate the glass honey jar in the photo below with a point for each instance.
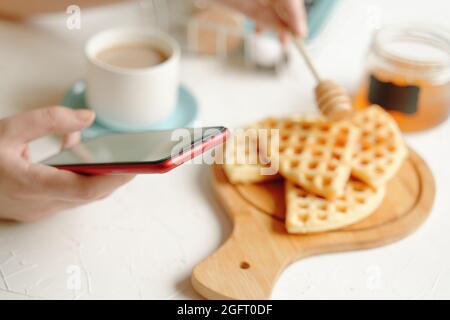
(408, 74)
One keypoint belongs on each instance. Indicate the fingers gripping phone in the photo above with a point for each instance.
(145, 152)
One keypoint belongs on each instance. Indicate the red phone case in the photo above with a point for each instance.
(148, 167)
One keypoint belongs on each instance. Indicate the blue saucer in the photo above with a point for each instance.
(183, 116)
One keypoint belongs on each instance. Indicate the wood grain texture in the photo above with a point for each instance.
(247, 265)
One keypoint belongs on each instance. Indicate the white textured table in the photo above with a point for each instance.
(144, 240)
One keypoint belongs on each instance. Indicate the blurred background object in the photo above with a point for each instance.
(204, 27)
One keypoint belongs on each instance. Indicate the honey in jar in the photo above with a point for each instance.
(408, 74)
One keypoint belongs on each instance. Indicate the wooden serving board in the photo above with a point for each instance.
(247, 265)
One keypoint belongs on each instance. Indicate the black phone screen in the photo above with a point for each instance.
(143, 147)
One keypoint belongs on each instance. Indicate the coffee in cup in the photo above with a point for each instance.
(132, 55)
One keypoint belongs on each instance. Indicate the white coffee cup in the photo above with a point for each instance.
(132, 99)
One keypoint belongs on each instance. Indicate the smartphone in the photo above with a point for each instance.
(144, 152)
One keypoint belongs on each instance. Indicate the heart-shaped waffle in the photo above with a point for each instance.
(381, 150)
(306, 212)
(314, 153)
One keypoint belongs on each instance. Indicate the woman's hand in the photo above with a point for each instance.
(285, 16)
(29, 191)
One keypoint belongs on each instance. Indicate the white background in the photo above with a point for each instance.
(144, 240)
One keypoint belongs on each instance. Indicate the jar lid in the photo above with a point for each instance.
(415, 49)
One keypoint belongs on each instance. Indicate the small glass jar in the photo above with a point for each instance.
(408, 74)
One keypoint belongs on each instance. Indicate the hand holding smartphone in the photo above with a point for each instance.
(144, 152)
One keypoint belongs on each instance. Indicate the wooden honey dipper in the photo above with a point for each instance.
(332, 99)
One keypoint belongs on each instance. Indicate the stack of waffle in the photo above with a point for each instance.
(334, 172)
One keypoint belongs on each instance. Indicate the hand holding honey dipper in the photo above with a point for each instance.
(289, 19)
(285, 16)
